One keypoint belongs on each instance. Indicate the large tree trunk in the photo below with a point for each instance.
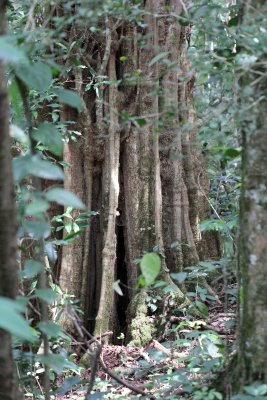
(252, 355)
(144, 169)
(8, 267)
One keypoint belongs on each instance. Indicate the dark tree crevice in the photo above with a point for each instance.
(121, 302)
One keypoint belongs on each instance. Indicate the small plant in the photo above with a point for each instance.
(207, 394)
(257, 390)
(71, 224)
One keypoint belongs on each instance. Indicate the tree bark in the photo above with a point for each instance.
(8, 264)
(252, 355)
(145, 168)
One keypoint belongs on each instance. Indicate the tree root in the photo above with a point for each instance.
(142, 327)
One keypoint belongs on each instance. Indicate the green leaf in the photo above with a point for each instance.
(68, 383)
(213, 225)
(117, 288)
(233, 21)
(37, 206)
(52, 330)
(214, 350)
(97, 396)
(18, 134)
(231, 153)
(179, 276)
(47, 295)
(37, 228)
(16, 102)
(48, 134)
(150, 267)
(20, 165)
(202, 308)
(34, 165)
(71, 235)
(256, 389)
(57, 363)
(141, 121)
(10, 52)
(51, 252)
(36, 76)
(31, 269)
(157, 58)
(70, 98)
(64, 197)
(44, 169)
(246, 60)
(13, 322)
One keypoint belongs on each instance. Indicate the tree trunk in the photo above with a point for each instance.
(145, 173)
(252, 355)
(8, 265)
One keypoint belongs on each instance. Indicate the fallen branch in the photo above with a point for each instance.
(97, 357)
(168, 352)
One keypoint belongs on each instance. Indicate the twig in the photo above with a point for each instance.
(30, 21)
(39, 249)
(214, 209)
(122, 381)
(99, 358)
(184, 6)
(94, 367)
(168, 352)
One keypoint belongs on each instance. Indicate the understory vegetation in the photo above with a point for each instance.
(133, 199)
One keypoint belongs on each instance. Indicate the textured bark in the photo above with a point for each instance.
(144, 179)
(252, 361)
(106, 305)
(8, 265)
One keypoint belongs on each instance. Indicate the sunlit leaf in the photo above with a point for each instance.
(70, 98)
(179, 276)
(57, 362)
(36, 207)
(71, 235)
(12, 321)
(52, 330)
(31, 269)
(213, 350)
(37, 228)
(18, 134)
(117, 288)
(150, 267)
(20, 167)
(15, 98)
(256, 389)
(49, 135)
(50, 250)
(10, 52)
(44, 169)
(157, 58)
(68, 383)
(246, 60)
(47, 295)
(34, 165)
(36, 76)
(202, 308)
(64, 197)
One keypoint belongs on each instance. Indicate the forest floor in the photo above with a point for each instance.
(143, 367)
